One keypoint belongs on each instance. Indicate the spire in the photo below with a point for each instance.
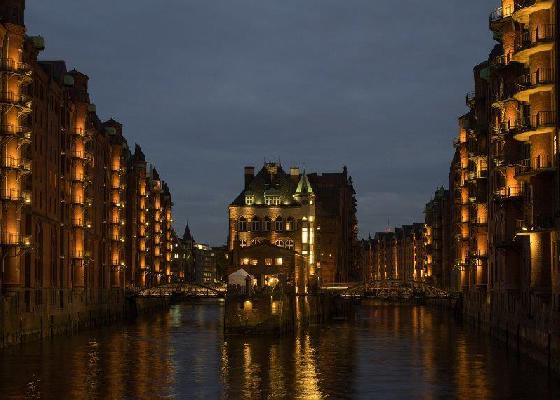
(187, 235)
(304, 187)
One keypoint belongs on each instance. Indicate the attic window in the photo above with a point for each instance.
(249, 199)
(272, 200)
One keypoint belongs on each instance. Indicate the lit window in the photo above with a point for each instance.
(254, 262)
(279, 243)
(290, 244)
(245, 261)
(272, 200)
(249, 200)
(278, 261)
(268, 261)
(290, 225)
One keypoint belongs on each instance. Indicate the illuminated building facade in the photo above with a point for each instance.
(397, 255)
(338, 225)
(525, 149)
(437, 238)
(273, 220)
(65, 245)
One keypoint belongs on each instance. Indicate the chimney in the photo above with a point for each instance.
(249, 175)
(294, 174)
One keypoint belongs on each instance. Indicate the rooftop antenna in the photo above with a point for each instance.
(388, 228)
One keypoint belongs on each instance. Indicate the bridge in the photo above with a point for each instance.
(386, 289)
(184, 290)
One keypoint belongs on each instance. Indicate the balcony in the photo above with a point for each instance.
(77, 154)
(13, 67)
(14, 239)
(539, 123)
(22, 101)
(510, 192)
(77, 178)
(78, 132)
(542, 80)
(11, 195)
(533, 166)
(77, 223)
(524, 8)
(499, 15)
(539, 223)
(470, 99)
(535, 41)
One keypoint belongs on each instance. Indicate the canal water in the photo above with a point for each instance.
(386, 352)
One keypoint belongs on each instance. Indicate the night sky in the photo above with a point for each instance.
(209, 86)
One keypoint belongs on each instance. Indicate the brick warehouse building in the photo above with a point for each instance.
(284, 224)
(501, 213)
(69, 243)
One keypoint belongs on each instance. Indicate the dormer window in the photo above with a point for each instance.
(272, 200)
(249, 199)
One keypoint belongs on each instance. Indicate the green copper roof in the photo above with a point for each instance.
(304, 186)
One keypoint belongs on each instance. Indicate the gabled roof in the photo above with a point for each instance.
(304, 187)
(271, 180)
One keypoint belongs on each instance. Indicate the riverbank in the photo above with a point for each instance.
(70, 316)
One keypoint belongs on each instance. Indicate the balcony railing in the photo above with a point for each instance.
(541, 34)
(10, 65)
(470, 99)
(509, 192)
(533, 165)
(11, 98)
(78, 223)
(501, 13)
(14, 239)
(541, 76)
(11, 194)
(541, 119)
(77, 254)
(539, 222)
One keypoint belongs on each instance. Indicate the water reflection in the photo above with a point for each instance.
(386, 352)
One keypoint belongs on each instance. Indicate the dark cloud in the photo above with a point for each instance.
(207, 86)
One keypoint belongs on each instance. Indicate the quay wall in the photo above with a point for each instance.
(68, 312)
(526, 325)
(279, 315)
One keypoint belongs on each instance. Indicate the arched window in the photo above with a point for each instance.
(255, 224)
(290, 224)
(242, 225)
(290, 244)
(267, 224)
(279, 243)
(279, 224)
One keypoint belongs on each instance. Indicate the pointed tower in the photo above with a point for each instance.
(304, 194)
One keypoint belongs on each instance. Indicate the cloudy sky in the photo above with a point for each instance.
(209, 86)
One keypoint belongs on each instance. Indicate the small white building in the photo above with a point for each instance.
(239, 278)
